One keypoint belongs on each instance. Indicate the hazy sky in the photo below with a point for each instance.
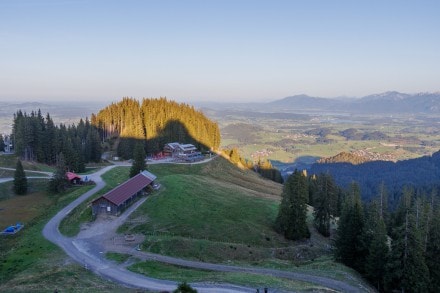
(234, 50)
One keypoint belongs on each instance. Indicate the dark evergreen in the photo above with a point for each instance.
(20, 180)
(37, 139)
(325, 203)
(2, 144)
(350, 249)
(407, 270)
(184, 288)
(292, 215)
(58, 183)
(433, 251)
(375, 235)
(139, 164)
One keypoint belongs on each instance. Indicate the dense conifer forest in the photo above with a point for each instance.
(121, 125)
(156, 121)
(422, 172)
(394, 248)
(38, 139)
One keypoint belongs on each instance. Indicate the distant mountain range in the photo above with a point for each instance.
(384, 103)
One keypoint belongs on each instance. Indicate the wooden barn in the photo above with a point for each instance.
(119, 198)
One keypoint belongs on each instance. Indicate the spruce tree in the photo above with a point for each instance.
(184, 288)
(407, 269)
(350, 249)
(325, 203)
(2, 144)
(376, 236)
(20, 180)
(433, 251)
(139, 164)
(292, 215)
(59, 181)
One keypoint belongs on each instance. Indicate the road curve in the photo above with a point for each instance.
(107, 269)
(99, 265)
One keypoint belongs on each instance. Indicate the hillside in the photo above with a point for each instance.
(422, 172)
(154, 122)
(345, 157)
(219, 213)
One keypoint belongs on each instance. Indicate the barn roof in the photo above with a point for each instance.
(71, 176)
(121, 193)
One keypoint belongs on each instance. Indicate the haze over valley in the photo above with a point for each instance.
(219, 146)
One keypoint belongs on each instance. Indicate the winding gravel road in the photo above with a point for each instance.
(89, 254)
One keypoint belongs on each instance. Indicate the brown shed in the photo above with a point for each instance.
(119, 198)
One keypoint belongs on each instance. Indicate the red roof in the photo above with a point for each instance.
(71, 176)
(121, 193)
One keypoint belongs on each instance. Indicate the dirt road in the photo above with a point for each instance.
(89, 246)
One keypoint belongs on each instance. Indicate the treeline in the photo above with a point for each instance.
(424, 171)
(157, 122)
(263, 167)
(395, 250)
(37, 138)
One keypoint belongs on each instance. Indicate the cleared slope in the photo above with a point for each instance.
(216, 212)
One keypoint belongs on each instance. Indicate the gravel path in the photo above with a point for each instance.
(89, 246)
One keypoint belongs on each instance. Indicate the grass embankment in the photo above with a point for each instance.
(180, 274)
(10, 161)
(71, 224)
(30, 263)
(117, 257)
(22, 208)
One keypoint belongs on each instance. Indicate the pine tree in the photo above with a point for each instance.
(59, 181)
(2, 144)
(407, 270)
(20, 180)
(376, 237)
(350, 249)
(292, 215)
(433, 251)
(184, 288)
(325, 203)
(139, 164)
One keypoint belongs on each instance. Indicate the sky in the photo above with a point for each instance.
(223, 51)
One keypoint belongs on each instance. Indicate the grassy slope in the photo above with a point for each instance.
(179, 274)
(30, 263)
(219, 213)
(10, 161)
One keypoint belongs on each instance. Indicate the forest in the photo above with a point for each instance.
(421, 172)
(157, 122)
(119, 126)
(395, 249)
(37, 138)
